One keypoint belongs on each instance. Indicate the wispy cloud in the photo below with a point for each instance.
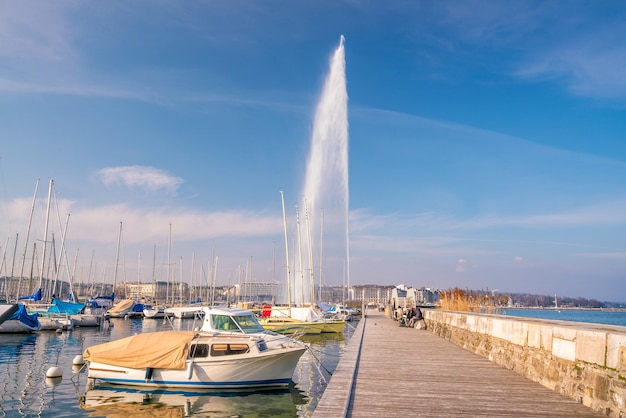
(592, 68)
(35, 32)
(580, 45)
(100, 224)
(618, 256)
(140, 177)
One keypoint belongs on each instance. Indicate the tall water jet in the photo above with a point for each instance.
(325, 192)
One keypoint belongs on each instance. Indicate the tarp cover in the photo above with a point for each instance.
(124, 305)
(59, 306)
(26, 318)
(307, 314)
(159, 350)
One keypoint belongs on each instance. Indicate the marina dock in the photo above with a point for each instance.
(392, 371)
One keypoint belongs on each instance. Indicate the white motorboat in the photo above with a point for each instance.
(189, 359)
(153, 312)
(240, 321)
(184, 312)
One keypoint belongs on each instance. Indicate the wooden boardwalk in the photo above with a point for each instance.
(404, 372)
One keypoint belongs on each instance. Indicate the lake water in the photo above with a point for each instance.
(575, 315)
(26, 392)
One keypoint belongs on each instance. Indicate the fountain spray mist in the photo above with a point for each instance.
(325, 193)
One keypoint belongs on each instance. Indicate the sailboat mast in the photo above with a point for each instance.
(321, 249)
(311, 266)
(214, 281)
(169, 266)
(30, 221)
(193, 272)
(139, 275)
(180, 286)
(14, 254)
(7, 280)
(300, 257)
(282, 197)
(117, 258)
(32, 268)
(154, 274)
(45, 236)
(64, 253)
(90, 275)
(73, 297)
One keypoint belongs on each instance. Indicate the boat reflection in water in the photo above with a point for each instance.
(124, 401)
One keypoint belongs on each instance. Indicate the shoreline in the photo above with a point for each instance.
(565, 308)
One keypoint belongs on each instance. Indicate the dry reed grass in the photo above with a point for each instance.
(457, 299)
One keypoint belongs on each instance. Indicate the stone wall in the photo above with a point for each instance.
(586, 362)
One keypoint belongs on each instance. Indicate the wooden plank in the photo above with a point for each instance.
(407, 372)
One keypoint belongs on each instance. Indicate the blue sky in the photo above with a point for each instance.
(487, 139)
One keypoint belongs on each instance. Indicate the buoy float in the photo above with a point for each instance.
(78, 361)
(54, 371)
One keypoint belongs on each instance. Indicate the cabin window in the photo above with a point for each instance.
(199, 350)
(228, 349)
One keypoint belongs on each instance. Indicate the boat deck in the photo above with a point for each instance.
(391, 371)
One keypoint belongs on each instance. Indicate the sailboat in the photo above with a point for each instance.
(124, 307)
(292, 319)
(150, 311)
(20, 322)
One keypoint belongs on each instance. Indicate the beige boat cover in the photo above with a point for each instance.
(122, 306)
(159, 350)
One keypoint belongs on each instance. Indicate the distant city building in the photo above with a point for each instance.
(252, 292)
(372, 293)
(409, 297)
(12, 288)
(329, 295)
(257, 292)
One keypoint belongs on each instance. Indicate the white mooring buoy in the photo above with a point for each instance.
(78, 361)
(54, 371)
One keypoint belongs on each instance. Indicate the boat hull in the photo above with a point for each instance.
(291, 326)
(20, 321)
(334, 326)
(53, 322)
(15, 326)
(156, 313)
(87, 320)
(272, 369)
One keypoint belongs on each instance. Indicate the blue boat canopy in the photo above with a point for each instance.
(35, 296)
(59, 306)
(25, 317)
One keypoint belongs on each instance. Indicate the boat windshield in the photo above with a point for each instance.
(248, 323)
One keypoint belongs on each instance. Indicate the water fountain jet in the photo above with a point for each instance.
(325, 190)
